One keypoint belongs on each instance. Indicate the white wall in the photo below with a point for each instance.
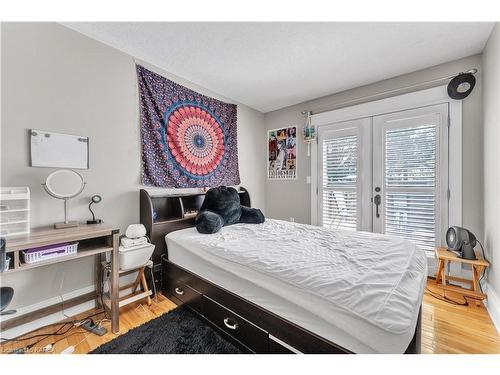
(491, 93)
(285, 199)
(54, 78)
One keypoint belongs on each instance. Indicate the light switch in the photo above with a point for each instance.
(308, 180)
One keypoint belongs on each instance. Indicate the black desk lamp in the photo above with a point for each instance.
(95, 199)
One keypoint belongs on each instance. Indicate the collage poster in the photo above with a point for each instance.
(282, 154)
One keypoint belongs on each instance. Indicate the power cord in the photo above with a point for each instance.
(484, 271)
(74, 323)
(105, 269)
(154, 283)
(73, 347)
(61, 297)
(57, 333)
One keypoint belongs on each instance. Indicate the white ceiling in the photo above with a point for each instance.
(268, 66)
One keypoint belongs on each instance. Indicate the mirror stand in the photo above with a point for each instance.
(64, 184)
(66, 223)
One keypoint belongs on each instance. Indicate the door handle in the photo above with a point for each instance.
(377, 200)
(179, 291)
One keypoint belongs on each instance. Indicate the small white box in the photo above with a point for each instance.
(135, 257)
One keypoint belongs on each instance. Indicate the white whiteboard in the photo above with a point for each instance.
(49, 149)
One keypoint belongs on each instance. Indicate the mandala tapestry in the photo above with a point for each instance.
(188, 139)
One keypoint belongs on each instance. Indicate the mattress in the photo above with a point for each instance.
(360, 290)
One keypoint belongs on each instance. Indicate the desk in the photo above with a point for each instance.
(478, 266)
(93, 241)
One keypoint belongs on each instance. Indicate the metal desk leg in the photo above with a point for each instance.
(115, 267)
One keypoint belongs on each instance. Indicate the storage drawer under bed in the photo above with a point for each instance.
(192, 291)
(184, 293)
(239, 328)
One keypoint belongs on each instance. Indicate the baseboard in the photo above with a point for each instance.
(49, 319)
(57, 317)
(493, 306)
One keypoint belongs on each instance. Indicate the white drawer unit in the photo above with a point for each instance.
(14, 211)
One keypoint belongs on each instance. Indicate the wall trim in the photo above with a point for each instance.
(492, 304)
(59, 316)
(49, 319)
(422, 98)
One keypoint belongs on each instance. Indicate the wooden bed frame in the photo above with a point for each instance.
(251, 327)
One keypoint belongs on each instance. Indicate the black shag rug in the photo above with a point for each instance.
(179, 331)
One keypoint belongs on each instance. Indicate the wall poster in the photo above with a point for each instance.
(282, 153)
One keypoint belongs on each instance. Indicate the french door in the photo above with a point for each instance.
(387, 174)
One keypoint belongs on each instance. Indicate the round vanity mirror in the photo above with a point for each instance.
(64, 184)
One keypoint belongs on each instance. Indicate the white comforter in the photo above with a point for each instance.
(375, 277)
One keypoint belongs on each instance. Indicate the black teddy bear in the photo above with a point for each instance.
(222, 207)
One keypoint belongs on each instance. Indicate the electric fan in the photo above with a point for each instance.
(461, 240)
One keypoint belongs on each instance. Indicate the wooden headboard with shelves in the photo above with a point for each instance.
(165, 213)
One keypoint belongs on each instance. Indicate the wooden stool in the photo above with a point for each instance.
(478, 266)
(139, 280)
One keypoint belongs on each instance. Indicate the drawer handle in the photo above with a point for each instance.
(179, 291)
(230, 323)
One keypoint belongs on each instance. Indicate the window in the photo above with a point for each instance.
(410, 184)
(340, 171)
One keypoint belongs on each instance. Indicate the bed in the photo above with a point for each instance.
(290, 287)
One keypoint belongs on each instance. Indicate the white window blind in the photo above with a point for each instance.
(410, 184)
(339, 182)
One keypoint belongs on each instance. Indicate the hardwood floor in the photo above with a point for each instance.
(131, 316)
(446, 328)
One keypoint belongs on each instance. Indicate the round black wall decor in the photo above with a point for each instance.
(461, 86)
